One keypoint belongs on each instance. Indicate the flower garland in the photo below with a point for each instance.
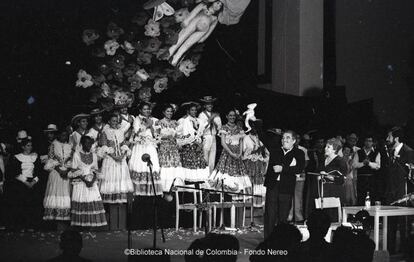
(132, 61)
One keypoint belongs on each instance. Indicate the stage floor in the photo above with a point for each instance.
(110, 246)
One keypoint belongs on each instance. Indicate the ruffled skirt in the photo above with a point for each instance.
(57, 198)
(170, 164)
(231, 174)
(87, 206)
(116, 182)
(193, 162)
(140, 172)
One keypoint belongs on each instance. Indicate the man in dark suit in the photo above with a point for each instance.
(395, 180)
(284, 164)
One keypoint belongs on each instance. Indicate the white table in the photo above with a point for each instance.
(377, 212)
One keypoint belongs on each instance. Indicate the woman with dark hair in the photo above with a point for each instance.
(115, 181)
(19, 190)
(169, 156)
(256, 159)
(334, 170)
(57, 197)
(87, 207)
(230, 168)
(144, 143)
(190, 142)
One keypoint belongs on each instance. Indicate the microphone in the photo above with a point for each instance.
(404, 199)
(146, 158)
(168, 196)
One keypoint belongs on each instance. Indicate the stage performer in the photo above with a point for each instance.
(190, 142)
(87, 206)
(210, 123)
(80, 123)
(143, 139)
(126, 120)
(169, 156)
(98, 125)
(20, 189)
(196, 28)
(395, 180)
(57, 197)
(280, 180)
(334, 170)
(115, 181)
(256, 159)
(230, 168)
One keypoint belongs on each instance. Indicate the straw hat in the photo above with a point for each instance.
(208, 99)
(78, 117)
(51, 128)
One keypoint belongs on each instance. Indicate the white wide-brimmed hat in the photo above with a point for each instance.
(51, 128)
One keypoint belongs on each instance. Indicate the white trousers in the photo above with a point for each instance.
(209, 150)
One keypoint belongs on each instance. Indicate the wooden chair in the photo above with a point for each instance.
(232, 206)
(186, 206)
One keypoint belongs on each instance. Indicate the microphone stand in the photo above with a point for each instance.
(155, 217)
(321, 194)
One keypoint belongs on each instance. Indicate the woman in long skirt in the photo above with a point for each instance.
(87, 206)
(191, 148)
(169, 156)
(144, 142)
(115, 181)
(57, 196)
(256, 159)
(230, 170)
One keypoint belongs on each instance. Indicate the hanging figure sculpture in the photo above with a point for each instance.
(196, 28)
(249, 116)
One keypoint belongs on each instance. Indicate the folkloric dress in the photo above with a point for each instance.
(256, 159)
(169, 156)
(116, 181)
(74, 139)
(229, 170)
(191, 150)
(87, 206)
(126, 122)
(57, 196)
(144, 143)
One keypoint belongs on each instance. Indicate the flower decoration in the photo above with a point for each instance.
(152, 28)
(153, 45)
(160, 84)
(114, 31)
(132, 59)
(89, 36)
(84, 79)
(111, 46)
(187, 67)
(143, 74)
(128, 47)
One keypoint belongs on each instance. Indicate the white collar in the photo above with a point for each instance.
(398, 148)
(285, 152)
(369, 151)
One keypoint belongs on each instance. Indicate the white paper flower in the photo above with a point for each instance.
(105, 90)
(128, 47)
(160, 84)
(187, 67)
(143, 74)
(84, 79)
(152, 28)
(111, 46)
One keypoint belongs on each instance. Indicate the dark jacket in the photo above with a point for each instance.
(396, 174)
(288, 174)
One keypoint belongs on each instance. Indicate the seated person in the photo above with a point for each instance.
(71, 245)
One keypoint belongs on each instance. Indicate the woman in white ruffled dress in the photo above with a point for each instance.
(116, 181)
(87, 207)
(169, 157)
(57, 201)
(256, 159)
(230, 170)
(143, 139)
(191, 148)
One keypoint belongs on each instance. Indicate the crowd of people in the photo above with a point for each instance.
(102, 157)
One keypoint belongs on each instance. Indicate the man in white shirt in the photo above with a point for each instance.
(367, 161)
(210, 123)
